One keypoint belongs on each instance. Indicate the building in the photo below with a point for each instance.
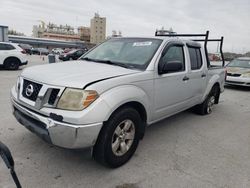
(47, 43)
(84, 33)
(3, 33)
(163, 31)
(97, 29)
(53, 31)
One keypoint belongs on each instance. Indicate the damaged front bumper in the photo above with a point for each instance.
(58, 133)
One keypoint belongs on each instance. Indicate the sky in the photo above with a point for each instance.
(228, 18)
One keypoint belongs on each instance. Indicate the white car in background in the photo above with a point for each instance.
(12, 56)
(238, 72)
(57, 51)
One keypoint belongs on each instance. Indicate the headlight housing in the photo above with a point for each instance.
(17, 86)
(76, 99)
(246, 75)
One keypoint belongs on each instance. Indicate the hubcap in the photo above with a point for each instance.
(12, 65)
(210, 104)
(123, 137)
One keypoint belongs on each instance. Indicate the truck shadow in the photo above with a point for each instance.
(241, 88)
(57, 165)
(80, 159)
(7, 70)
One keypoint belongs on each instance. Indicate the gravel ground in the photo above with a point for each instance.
(186, 150)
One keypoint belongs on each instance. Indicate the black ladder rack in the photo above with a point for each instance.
(205, 40)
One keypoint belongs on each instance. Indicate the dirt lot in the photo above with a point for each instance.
(185, 150)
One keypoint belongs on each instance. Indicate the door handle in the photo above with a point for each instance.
(185, 78)
(203, 75)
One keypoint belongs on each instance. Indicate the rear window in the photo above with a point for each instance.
(6, 47)
(195, 58)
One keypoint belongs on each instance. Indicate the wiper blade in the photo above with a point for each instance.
(115, 63)
(87, 59)
(108, 62)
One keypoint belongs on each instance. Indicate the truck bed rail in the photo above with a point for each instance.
(205, 40)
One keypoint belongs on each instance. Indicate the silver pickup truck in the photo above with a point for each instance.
(106, 99)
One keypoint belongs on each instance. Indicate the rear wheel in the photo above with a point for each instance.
(11, 63)
(207, 106)
(119, 138)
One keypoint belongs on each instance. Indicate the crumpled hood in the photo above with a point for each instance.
(238, 70)
(76, 74)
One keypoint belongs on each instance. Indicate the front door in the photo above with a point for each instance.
(172, 91)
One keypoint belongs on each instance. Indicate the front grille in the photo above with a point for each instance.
(233, 74)
(53, 96)
(33, 92)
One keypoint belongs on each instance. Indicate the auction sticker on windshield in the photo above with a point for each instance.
(147, 43)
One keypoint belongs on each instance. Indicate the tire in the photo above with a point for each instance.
(11, 63)
(113, 148)
(207, 106)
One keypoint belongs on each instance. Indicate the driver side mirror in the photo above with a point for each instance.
(8, 160)
(170, 66)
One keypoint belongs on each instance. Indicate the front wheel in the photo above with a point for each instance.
(119, 138)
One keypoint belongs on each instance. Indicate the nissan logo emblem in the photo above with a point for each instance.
(29, 90)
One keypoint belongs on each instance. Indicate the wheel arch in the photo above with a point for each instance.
(139, 107)
(10, 57)
(213, 82)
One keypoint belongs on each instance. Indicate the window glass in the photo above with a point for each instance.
(2, 47)
(80, 52)
(195, 58)
(242, 63)
(174, 53)
(198, 53)
(9, 47)
(6, 47)
(136, 52)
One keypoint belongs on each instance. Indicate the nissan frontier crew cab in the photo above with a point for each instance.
(106, 99)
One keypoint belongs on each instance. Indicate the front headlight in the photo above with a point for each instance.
(76, 99)
(245, 75)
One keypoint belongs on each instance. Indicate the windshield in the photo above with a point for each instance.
(131, 52)
(239, 63)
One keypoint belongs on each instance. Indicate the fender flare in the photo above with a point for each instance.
(213, 81)
(116, 97)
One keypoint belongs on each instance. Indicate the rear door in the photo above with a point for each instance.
(197, 72)
(5, 51)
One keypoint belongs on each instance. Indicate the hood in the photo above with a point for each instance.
(238, 70)
(76, 74)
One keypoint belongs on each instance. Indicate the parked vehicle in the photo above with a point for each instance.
(40, 51)
(27, 48)
(66, 50)
(238, 72)
(72, 55)
(106, 99)
(57, 51)
(12, 56)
